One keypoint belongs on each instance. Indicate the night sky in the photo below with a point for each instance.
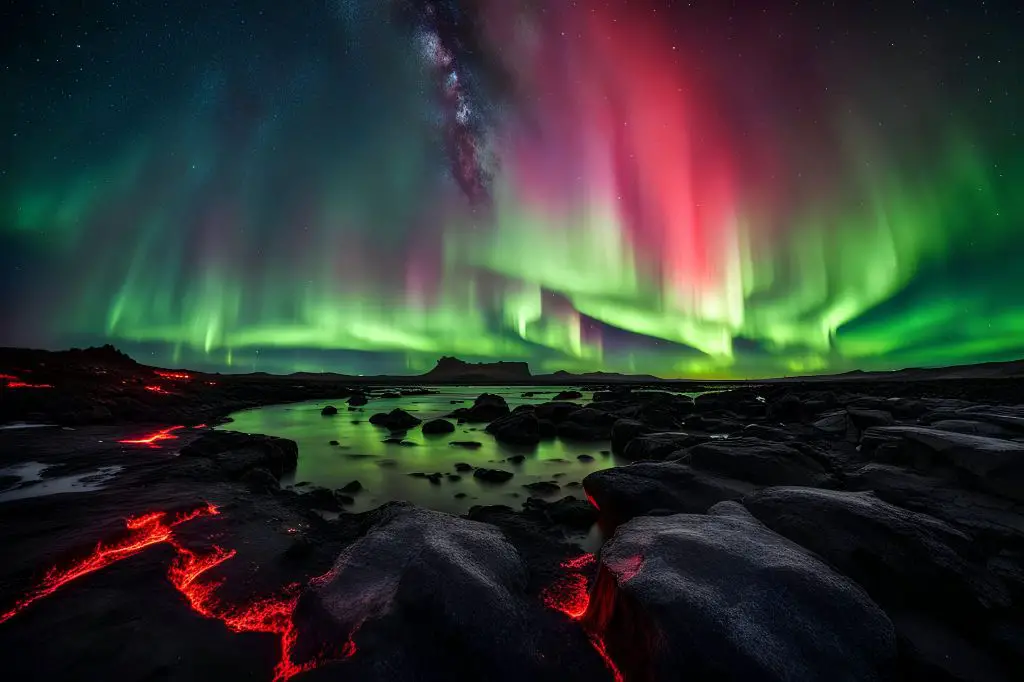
(691, 189)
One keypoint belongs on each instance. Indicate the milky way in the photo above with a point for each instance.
(715, 190)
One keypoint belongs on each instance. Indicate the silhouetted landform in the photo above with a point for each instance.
(453, 369)
(884, 521)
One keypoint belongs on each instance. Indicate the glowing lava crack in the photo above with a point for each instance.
(571, 596)
(272, 615)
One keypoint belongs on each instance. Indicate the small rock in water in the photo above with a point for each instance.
(436, 426)
(459, 496)
(585, 458)
(543, 487)
(454, 478)
(351, 487)
(357, 399)
(492, 475)
(462, 466)
(329, 411)
(333, 442)
(516, 459)
(470, 444)
(568, 395)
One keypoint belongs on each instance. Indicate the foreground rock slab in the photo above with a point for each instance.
(722, 597)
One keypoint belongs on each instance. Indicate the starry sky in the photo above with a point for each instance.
(707, 189)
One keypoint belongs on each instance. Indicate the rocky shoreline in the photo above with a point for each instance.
(774, 532)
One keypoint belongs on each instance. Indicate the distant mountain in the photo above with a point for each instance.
(1013, 369)
(453, 369)
(611, 377)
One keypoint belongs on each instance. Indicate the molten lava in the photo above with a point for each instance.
(157, 389)
(271, 615)
(571, 595)
(173, 376)
(146, 531)
(154, 438)
(22, 384)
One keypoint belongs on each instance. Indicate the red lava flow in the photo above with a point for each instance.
(157, 389)
(571, 595)
(155, 437)
(271, 615)
(173, 376)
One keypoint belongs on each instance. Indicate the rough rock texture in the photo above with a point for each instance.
(492, 475)
(662, 445)
(722, 597)
(232, 454)
(521, 428)
(440, 585)
(758, 461)
(640, 488)
(992, 464)
(487, 407)
(329, 411)
(899, 556)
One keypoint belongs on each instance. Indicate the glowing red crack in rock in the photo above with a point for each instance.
(157, 389)
(153, 438)
(22, 384)
(173, 376)
(271, 615)
(571, 595)
(147, 530)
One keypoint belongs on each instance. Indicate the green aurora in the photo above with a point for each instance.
(279, 208)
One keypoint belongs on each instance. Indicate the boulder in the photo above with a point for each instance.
(234, 453)
(621, 493)
(625, 430)
(492, 475)
(451, 593)
(395, 420)
(555, 411)
(659, 446)
(569, 512)
(351, 487)
(329, 411)
(991, 464)
(722, 597)
(864, 418)
(758, 461)
(487, 407)
(438, 426)
(766, 432)
(996, 519)
(522, 428)
(568, 395)
(463, 466)
(898, 556)
(357, 399)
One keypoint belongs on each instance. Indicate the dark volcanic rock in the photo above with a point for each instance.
(396, 420)
(522, 428)
(660, 445)
(638, 489)
(555, 411)
(543, 487)
(568, 395)
(462, 466)
(863, 418)
(394, 440)
(487, 407)
(437, 426)
(721, 597)
(329, 411)
(898, 556)
(357, 399)
(234, 453)
(492, 475)
(260, 480)
(991, 464)
(427, 582)
(351, 487)
(468, 444)
(757, 461)
(585, 458)
(587, 424)
(569, 512)
(625, 430)
(322, 498)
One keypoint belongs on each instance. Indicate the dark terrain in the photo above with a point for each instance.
(852, 528)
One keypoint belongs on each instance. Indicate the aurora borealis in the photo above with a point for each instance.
(705, 189)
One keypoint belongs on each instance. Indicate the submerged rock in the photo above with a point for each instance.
(722, 597)
(492, 475)
(395, 420)
(568, 395)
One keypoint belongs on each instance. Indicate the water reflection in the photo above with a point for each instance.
(385, 469)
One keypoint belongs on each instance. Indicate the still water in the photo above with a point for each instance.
(384, 469)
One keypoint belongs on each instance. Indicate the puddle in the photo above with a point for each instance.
(31, 483)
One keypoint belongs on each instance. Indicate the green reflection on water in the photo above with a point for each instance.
(383, 469)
